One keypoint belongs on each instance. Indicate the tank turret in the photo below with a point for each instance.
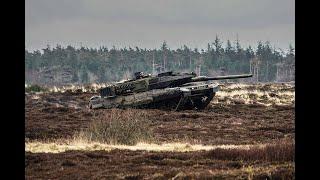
(143, 82)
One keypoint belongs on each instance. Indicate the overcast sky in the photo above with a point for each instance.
(147, 23)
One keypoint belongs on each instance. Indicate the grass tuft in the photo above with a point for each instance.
(126, 127)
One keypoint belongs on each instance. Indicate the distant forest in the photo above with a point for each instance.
(64, 65)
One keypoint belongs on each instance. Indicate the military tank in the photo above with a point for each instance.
(168, 90)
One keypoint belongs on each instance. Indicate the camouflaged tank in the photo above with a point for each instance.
(169, 90)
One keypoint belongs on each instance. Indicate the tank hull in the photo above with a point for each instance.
(178, 98)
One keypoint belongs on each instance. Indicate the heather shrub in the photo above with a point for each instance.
(119, 127)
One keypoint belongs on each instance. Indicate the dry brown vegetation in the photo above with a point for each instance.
(118, 127)
(270, 162)
(262, 94)
(277, 151)
(256, 120)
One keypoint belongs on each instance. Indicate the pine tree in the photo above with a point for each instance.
(113, 64)
(217, 44)
(229, 49)
(84, 74)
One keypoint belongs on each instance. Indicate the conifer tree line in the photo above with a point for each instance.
(88, 65)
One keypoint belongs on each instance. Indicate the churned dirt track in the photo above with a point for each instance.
(227, 120)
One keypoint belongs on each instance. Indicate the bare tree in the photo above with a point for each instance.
(254, 67)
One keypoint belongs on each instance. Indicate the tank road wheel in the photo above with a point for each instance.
(188, 104)
(203, 102)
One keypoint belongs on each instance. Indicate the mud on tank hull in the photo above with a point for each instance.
(178, 98)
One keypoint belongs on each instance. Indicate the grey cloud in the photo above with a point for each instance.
(178, 11)
(144, 20)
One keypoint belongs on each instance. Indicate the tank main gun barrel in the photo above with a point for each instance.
(205, 78)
